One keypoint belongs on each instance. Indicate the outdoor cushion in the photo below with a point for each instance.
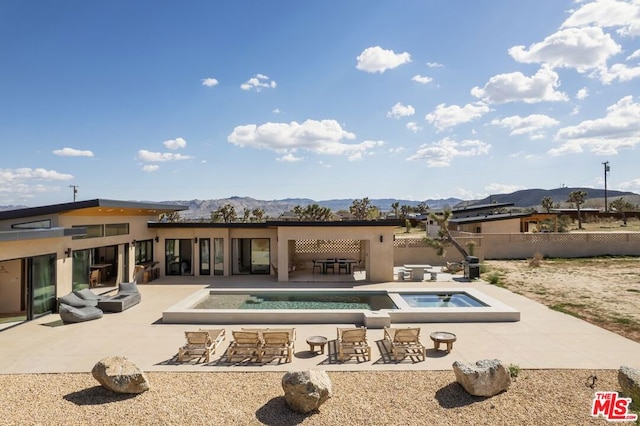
(75, 301)
(131, 287)
(70, 314)
(87, 294)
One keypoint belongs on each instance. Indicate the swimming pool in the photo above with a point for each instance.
(230, 306)
(441, 300)
(371, 300)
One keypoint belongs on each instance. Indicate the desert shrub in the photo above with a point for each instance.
(537, 260)
(514, 370)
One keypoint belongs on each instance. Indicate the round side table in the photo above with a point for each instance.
(443, 337)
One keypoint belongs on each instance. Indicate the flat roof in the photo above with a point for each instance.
(278, 223)
(489, 218)
(131, 208)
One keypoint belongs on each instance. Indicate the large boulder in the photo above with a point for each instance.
(120, 375)
(306, 391)
(629, 381)
(487, 378)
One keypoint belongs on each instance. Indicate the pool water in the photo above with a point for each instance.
(372, 301)
(441, 300)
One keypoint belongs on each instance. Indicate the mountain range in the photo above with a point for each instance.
(526, 198)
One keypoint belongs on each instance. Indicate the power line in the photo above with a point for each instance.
(75, 191)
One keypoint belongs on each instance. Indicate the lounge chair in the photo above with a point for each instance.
(278, 343)
(405, 341)
(202, 343)
(352, 342)
(127, 296)
(70, 314)
(247, 344)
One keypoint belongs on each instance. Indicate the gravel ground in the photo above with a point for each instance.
(536, 397)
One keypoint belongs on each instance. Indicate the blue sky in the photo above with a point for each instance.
(167, 100)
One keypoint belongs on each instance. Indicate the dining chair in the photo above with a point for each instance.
(331, 264)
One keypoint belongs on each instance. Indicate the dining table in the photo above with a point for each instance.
(417, 270)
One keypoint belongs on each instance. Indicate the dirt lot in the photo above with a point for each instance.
(602, 291)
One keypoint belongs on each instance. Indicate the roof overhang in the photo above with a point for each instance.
(36, 234)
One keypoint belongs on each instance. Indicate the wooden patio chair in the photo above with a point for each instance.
(405, 341)
(352, 342)
(94, 278)
(278, 344)
(247, 344)
(202, 343)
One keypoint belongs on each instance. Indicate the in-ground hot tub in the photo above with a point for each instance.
(373, 308)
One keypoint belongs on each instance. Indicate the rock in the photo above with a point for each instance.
(629, 381)
(120, 375)
(306, 391)
(487, 378)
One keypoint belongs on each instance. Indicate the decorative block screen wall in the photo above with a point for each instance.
(326, 246)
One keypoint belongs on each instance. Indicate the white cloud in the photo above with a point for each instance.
(396, 150)
(289, 158)
(502, 188)
(159, 157)
(619, 72)
(619, 129)
(276, 111)
(25, 183)
(516, 87)
(608, 13)
(532, 124)
(149, 168)
(258, 82)
(448, 116)
(634, 55)
(176, 143)
(319, 137)
(413, 126)
(209, 82)
(72, 152)
(421, 79)
(582, 93)
(443, 152)
(631, 185)
(399, 110)
(584, 49)
(376, 59)
(434, 65)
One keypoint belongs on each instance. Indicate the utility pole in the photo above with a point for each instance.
(75, 191)
(606, 170)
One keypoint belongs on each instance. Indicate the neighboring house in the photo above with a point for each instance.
(48, 251)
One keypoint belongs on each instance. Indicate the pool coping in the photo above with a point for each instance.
(496, 311)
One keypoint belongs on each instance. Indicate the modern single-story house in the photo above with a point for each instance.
(48, 251)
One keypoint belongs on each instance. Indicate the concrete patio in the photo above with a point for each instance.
(542, 339)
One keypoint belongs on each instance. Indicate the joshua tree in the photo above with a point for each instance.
(621, 205)
(313, 212)
(171, 217)
(444, 236)
(396, 208)
(547, 204)
(362, 209)
(258, 214)
(227, 213)
(577, 198)
(422, 207)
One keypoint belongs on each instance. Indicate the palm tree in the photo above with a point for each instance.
(577, 198)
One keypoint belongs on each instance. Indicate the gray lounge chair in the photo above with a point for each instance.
(127, 296)
(70, 314)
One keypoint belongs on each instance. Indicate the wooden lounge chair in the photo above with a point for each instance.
(278, 343)
(247, 344)
(405, 341)
(202, 343)
(352, 342)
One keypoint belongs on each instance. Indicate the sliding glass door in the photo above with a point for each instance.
(41, 285)
(250, 255)
(179, 257)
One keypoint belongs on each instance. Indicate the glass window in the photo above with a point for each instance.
(205, 256)
(42, 281)
(38, 224)
(93, 231)
(218, 256)
(80, 274)
(144, 251)
(112, 229)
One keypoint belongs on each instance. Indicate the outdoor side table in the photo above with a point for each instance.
(314, 341)
(443, 337)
